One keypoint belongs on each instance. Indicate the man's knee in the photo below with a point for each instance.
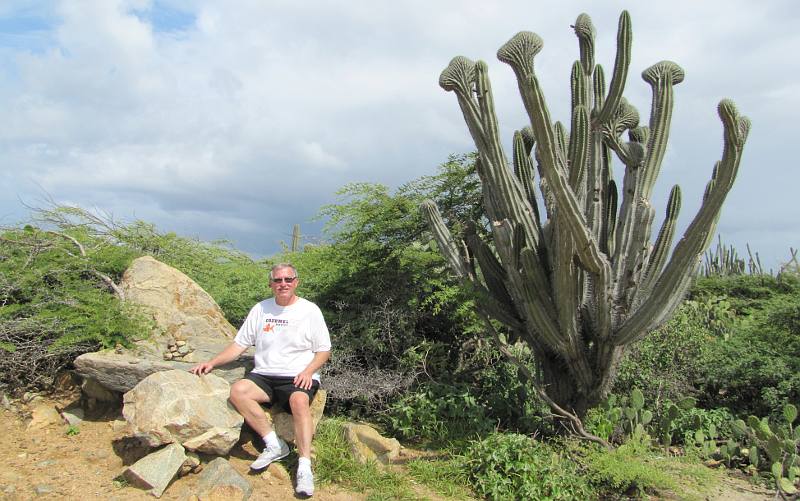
(299, 402)
(244, 389)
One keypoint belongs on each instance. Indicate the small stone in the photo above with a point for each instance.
(5, 402)
(168, 355)
(189, 358)
(132, 361)
(46, 463)
(72, 416)
(180, 343)
(183, 350)
(42, 489)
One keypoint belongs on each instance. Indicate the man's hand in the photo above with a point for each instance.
(202, 368)
(303, 380)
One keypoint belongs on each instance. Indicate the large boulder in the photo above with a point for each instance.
(179, 306)
(189, 328)
(177, 406)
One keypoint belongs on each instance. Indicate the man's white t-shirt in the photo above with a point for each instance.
(285, 337)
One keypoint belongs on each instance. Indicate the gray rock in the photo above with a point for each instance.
(91, 388)
(115, 371)
(368, 445)
(177, 406)
(219, 480)
(42, 489)
(155, 471)
(5, 402)
(72, 416)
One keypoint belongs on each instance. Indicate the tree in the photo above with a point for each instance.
(582, 282)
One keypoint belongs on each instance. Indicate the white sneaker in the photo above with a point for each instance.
(269, 455)
(305, 483)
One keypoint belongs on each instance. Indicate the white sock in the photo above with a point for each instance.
(271, 440)
(304, 464)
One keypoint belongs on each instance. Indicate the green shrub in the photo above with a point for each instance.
(438, 412)
(512, 466)
(672, 361)
(757, 369)
(627, 470)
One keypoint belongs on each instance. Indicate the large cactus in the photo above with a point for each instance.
(582, 281)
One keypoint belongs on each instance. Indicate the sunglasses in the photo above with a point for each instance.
(286, 280)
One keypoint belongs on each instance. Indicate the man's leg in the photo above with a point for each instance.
(303, 429)
(303, 426)
(247, 397)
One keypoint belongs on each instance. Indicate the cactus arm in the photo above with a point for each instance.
(584, 30)
(534, 311)
(578, 146)
(611, 216)
(562, 144)
(587, 249)
(444, 239)
(663, 242)
(493, 273)
(523, 169)
(485, 301)
(621, 65)
(599, 88)
(504, 195)
(679, 272)
(662, 77)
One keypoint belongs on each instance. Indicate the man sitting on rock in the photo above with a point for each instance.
(292, 343)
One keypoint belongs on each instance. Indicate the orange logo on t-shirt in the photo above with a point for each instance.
(268, 328)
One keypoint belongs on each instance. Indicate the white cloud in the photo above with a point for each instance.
(200, 120)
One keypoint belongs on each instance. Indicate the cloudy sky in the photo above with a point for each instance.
(239, 119)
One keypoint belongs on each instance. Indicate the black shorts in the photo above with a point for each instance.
(279, 389)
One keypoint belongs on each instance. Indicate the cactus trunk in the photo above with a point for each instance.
(584, 282)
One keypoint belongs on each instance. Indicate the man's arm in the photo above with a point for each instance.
(227, 355)
(303, 380)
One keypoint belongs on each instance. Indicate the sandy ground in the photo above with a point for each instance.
(50, 463)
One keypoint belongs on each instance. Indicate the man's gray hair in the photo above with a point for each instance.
(281, 266)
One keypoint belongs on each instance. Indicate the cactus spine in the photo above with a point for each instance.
(581, 280)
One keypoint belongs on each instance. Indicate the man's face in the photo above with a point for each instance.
(281, 289)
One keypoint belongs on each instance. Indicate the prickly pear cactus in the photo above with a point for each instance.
(569, 267)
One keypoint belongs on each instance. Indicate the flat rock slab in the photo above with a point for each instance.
(155, 471)
(369, 445)
(122, 371)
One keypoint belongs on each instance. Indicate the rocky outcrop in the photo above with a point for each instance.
(155, 471)
(189, 328)
(177, 406)
(179, 306)
(368, 445)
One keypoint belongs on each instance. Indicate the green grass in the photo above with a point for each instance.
(634, 470)
(335, 464)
